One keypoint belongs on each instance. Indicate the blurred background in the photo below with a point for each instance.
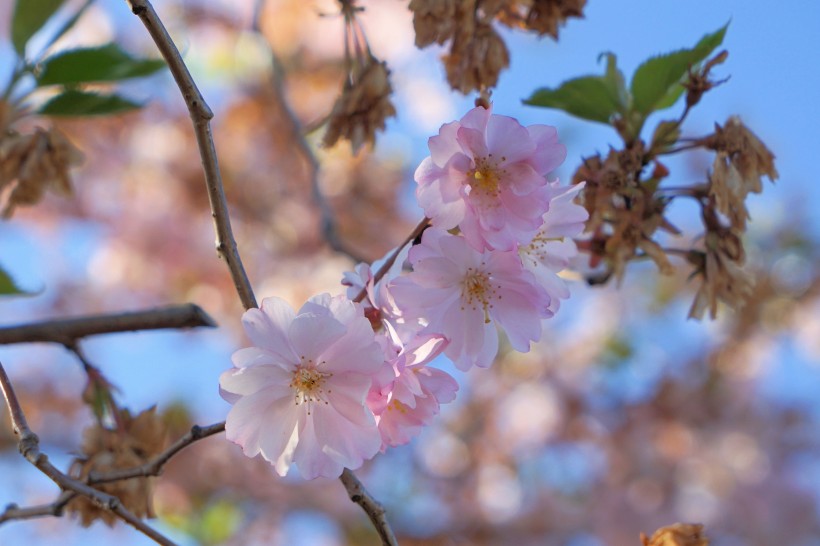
(624, 418)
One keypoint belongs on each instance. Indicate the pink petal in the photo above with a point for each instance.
(473, 142)
(267, 327)
(508, 141)
(310, 457)
(444, 145)
(245, 381)
(522, 179)
(246, 419)
(346, 394)
(345, 442)
(310, 334)
(549, 153)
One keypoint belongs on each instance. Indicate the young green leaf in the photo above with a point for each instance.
(7, 285)
(80, 103)
(29, 17)
(614, 79)
(656, 83)
(588, 97)
(99, 64)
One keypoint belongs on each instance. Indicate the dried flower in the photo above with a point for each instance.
(36, 162)
(135, 442)
(362, 108)
(721, 269)
(476, 58)
(678, 534)
(434, 20)
(741, 161)
(364, 104)
(541, 16)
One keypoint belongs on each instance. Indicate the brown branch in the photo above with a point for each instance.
(226, 246)
(417, 231)
(201, 115)
(297, 135)
(68, 331)
(371, 506)
(154, 466)
(55, 509)
(29, 446)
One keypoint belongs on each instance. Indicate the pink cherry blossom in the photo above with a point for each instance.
(552, 248)
(299, 392)
(409, 394)
(460, 293)
(486, 175)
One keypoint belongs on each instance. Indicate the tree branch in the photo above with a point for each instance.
(201, 115)
(29, 446)
(417, 231)
(14, 512)
(370, 505)
(154, 466)
(68, 331)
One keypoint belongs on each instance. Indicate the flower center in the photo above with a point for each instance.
(484, 178)
(477, 290)
(536, 251)
(308, 384)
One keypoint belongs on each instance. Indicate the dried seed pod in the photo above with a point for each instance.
(741, 161)
(679, 534)
(138, 440)
(476, 59)
(362, 108)
(37, 162)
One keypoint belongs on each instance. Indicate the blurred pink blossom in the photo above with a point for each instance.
(552, 248)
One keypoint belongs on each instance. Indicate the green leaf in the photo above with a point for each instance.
(615, 82)
(99, 64)
(656, 82)
(80, 103)
(665, 136)
(7, 285)
(588, 97)
(29, 17)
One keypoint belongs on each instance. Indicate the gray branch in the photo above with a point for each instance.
(68, 331)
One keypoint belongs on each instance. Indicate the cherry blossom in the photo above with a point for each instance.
(409, 393)
(460, 293)
(486, 175)
(551, 249)
(299, 392)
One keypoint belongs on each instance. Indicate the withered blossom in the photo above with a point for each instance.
(678, 534)
(364, 104)
(720, 267)
(435, 21)
(30, 164)
(541, 16)
(135, 442)
(362, 108)
(476, 58)
(740, 163)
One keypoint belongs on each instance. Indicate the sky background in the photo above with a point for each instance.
(774, 82)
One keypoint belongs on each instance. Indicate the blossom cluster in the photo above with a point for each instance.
(344, 377)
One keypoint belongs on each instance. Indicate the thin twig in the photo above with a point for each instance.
(297, 134)
(201, 115)
(54, 509)
(68, 331)
(29, 446)
(154, 466)
(417, 231)
(371, 506)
